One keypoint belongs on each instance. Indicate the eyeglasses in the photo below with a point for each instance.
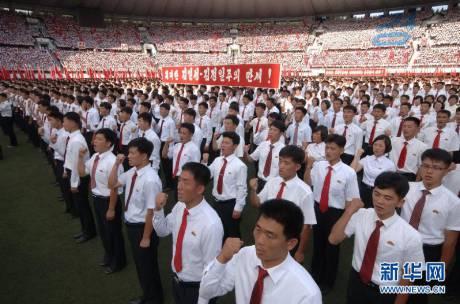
(435, 168)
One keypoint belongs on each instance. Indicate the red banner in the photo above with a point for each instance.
(237, 75)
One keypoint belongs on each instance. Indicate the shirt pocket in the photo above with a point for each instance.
(337, 186)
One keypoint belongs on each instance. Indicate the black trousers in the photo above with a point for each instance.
(146, 260)
(89, 138)
(225, 211)
(453, 279)
(411, 177)
(260, 184)
(456, 157)
(68, 197)
(84, 210)
(34, 133)
(110, 232)
(59, 167)
(325, 260)
(167, 167)
(360, 293)
(432, 253)
(124, 150)
(185, 292)
(8, 129)
(347, 158)
(365, 191)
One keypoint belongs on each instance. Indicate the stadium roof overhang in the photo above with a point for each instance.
(227, 9)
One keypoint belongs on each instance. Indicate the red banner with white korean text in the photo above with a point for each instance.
(236, 75)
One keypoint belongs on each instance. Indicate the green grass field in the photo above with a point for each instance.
(40, 262)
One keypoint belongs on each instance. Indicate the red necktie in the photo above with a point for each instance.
(323, 202)
(281, 190)
(458, 128)
(421, 119)
(103, 121)
(257, 291)
(86, 119)
(131, 188)
(400, 128)
(120, 143)
(176, 167)
(418, 209)
(220, 180)
(296, 132)
(402, 156)
(371, 137)
(66, 143)
(180, 239)
(93, 172)
(201, 119)
(268, 162)
(333, 121)
(257, 126)
(437, 139)
(345, 131)
(370, 254)
(210, 113)
(361, 119)
(161, 127)
(244, 109)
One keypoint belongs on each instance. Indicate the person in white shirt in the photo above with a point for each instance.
(335, 117)
(290, 187)
(372, 166)
(317, 148)
(189, 117)
(265, 272)
(78, 185)
(441, 136)
(107, 120)
(90, 118)
(334, 185)
(144, 122)
(57, 143)
(258, 124)
(266, 154)
(246, 109)
(165, 129)
(375, 127)
(182, 152)
(381, 236)
(299, 132)
(204, 123)
(434, 211)
(196, 231)
(141, 186)
(229, 189)
(396, 124)
(6, 119)
(107, 205)
(352, 133)
(126, 133)
(231, 123)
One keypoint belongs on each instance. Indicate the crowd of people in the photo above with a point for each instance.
(18, 57)
(375, 158)
(14, 30)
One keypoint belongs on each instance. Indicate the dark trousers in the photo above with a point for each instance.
(325, 258)
(84, 210)
(34, 133)
(367, 149)
(347, 158)
(185, 292)
(225, 211)
(68, 197)
(360, 293)
(59, 167)
(110, 232)
(260, 184)
(146, 260)
(89, 139)
(365, 191)
(8, 129)
(453, 279)
(166, 165)
(456, 157)
(411, 177)
(124, 150)
(432, 253)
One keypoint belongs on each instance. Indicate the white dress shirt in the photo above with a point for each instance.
(146, 188)
(59, 146)
(103, 169)
(204, 122)
(129, 132)
(441, 212)
(449, 140)
(247, 111)
(338, 119)
(90, 119)
(316, 151)
(261, 155)
(190, 153)
(450, 181)
(398, 242)
(395, 123)
(343, 187)
(296, 191)
(167, 127)
(76, 142)
(373, 166)
(303, 133)
(234, 180)
(107, 122)
(214, 114)
(415, 148)
(151, 136)
(426, 120)
(354, 137)
(6, 109)
(202, 240)
(241, 274)
(380, 128)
